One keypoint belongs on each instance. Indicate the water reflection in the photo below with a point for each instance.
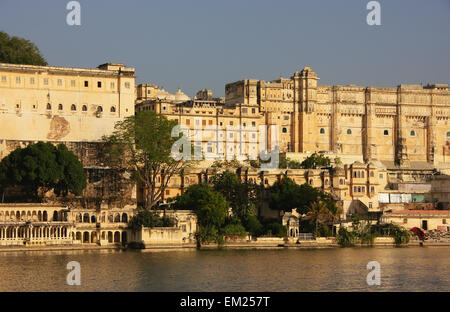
(341, 269)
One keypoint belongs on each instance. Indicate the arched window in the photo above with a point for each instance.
(322, 130)
(99, 109)
(84, 108)
(60, 106)
(284, 130)
(341, 181)
(73, 107)
(386, 132)
(124, 218)
(113, 109)
(49, 106)
(349, 131)
(413, 133)
(448, 134)
(372, 174)
(311, 181)
(186, 180)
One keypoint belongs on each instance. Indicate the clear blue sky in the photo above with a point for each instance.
(206, 43)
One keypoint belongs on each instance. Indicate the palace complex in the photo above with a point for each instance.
(390, 147)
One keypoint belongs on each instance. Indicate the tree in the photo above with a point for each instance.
(315, 161)
(149, 219)
(210, 207)
(72, 170)
(43, 166)
(15, 50)
(143, 142)
(241, 196)
(286, 195)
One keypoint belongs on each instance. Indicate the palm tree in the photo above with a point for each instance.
(322, 212)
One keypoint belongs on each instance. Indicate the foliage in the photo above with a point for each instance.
(15, 50)
(321, 212)
(144, 143)
(150, 219)
(366, 233)
(74, 178)
(286, 195)
(234, 228)
(275, 229)
(210, 207)
(346, 238)
(241, 196)
(315, 161)
(253, 225)
(42, 165)
(284, 162)
(226, 164)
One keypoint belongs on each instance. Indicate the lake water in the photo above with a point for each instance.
(336, 269)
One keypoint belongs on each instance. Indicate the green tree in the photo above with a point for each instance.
(241, 196)
(144, 143)
(15, 50)
(72, 170)
(286, 195)
(42, 166)
(149, 219)
(210, 207)
(315, 161)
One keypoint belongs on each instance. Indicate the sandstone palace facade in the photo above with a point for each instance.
(402, 126)
(391, 142)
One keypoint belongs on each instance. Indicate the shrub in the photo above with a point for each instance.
(346, 238)
(235, 229)
(253, 226)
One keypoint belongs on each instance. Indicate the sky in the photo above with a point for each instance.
(197, 44)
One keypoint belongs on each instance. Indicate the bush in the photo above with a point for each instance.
(253, 226)
(149, 219)
(235, 229)
(275, 229)
(346, 238)
(401, 235)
